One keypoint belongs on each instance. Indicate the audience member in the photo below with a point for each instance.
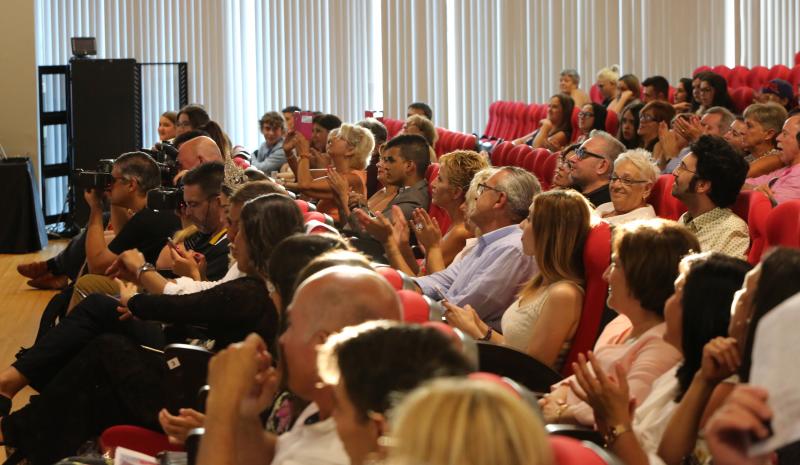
(707, 181)
(683, 101)
(713, 92)
(784, 183)
(420, 108)
(544, 318)
(422, 126)
(628, 132)
(778, 91)
(405, 357)
(191, 118)
(628, 92)
(592, 116)
(561, 178)
(477, 421)
(195, 152)
(763, 124)
(644, 265)
(715, 121)
(650, 118)
(555, 131)
(736, 133)
(488, 277)
(591, 166)
(607, 83)
(322, 125)
(288, 117)
(270, 156)
(568, 84)
(655, 88)
(167, 126)
(635, 174)
(380, 135)
(243, 381)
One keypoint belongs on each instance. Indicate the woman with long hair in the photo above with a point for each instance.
(555, 131)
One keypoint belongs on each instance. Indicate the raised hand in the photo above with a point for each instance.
(608, 395)
(720, 360)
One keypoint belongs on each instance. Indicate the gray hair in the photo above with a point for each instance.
(642, 160)
(612, 146)
(726, 117)
(520, 186)
(572, 74)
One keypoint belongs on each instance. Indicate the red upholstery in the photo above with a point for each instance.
(393, 276)
(415, 307)
(500, 154)
(612, 122)
(701, 69)
(135, 438)
(665, 205)
(531, 122)
(739, 76)
(779, 72)
(537, 160)
(794, 77)
(493, 118)
(548, 170)
(723, 71)
(783, 225)
(595, 94)
(758, 76)
(671, 94)
(754, 208)
(434, 210)
(742, 97)
(569, 451)
(574, 122)
(596, 257)
(797, 59)
(393, 126)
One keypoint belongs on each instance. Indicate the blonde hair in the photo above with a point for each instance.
(461, 167)
(560, 222)
(610, 73)
(467, 422)
(362, 141)
(642, 160)
(426, 126)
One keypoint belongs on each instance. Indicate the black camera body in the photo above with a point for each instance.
(165, 198)
(99, 180)
(166, 157)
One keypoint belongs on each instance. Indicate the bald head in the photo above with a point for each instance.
(197, 151)
(346, 295)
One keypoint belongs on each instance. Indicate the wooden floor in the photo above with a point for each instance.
(20, 309)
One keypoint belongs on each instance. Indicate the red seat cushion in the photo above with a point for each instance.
(569, 451)
(742, 98)
(595, 94)
(612, 122)
(754, 208)
(135, 438)
(665, 205)
(783, 225)
(701, 69)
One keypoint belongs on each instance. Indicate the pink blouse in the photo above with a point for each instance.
(644, 358)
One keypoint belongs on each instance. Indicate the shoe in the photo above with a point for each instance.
(49, 281)
(33, 270)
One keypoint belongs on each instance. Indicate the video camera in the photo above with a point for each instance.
(165, 198)
(100, 179)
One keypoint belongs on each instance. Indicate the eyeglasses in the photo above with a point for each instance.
(627, 181)
(582, 153)
(585, 114)
(706, 90)
(482, 188)
(647, 118)
(682, 167)
(184, 124)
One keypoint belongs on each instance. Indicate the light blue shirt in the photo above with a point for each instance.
(488, 277)
(269, 159)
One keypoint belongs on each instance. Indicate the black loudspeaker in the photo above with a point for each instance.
(106, 114)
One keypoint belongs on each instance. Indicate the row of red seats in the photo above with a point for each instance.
(511, 120)
(541, 162)
(755, 77)
(449, 141)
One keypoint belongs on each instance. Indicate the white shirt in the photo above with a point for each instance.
(310, 444)
(642, 213)
(184, 285)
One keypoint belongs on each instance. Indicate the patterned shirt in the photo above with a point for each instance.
(719, 230)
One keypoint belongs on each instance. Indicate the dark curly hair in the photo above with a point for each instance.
(719, 163)
(267, 220)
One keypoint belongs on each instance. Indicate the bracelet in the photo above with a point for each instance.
(488, 335)
(145, 267)
(614, 433)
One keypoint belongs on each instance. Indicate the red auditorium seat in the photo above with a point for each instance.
(548, 170)
(595, 94)
(723, 71)
(393, 126)
(596, 257)
(758, 76)
(794, 77)
(500, 152)
(701, 69)
(434, 210)
(612, 122)
(671, 94)
(570, 451)
(739, 76)
(797, 59)
(519, 112)
(518, 155)
(665, 205)
(574, 122)
(783, 225)
(779, 72)
(742, 97)
(531, 120)
(537, 160)
(493, 118)
(754, 208)
(135, 438)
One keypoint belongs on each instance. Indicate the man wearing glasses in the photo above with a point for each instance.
(591, 165)
(707, 181)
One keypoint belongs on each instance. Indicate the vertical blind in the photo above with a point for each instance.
(766, 32)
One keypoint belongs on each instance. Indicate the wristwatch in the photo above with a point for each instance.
(614, 433)
(145, 267)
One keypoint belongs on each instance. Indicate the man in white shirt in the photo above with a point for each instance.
(243, 381)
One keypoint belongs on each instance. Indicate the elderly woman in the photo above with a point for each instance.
(349, 147)
(633, 178)
(644, 266)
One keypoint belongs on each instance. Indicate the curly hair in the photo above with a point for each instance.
(719, 163)
(461, 166)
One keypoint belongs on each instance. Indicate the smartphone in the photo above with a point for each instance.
(440, 292)
(303, 123)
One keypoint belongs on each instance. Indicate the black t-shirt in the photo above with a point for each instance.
(599, 196)
(215, 248)
(147, 231)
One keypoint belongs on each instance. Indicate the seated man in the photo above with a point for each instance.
(784, 183)
(655, 88)
(568, 84)
(592, 164)
(420, 108)
(243, 381)
(707, 181)
(270, 156)
(196, 151)
(405, 356)
(489, 276)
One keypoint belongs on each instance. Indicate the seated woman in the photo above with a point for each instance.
(349, 147)
(650, 118)
(167, 126)
(91, 367)
(449, 189)
(712, 91)
(555, 131)
(467, 421)
(644, 265)
(421, 126)
(561, 179)
(763, 124)
(683, 101)
(592, 116)
(633, 178)
(629, 90)
(191, 117)
(568, 83)
(697, 317)
(628, 132)
(545, 317)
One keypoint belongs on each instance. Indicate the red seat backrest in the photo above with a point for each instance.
(434, 210)
(797, 59)
(596, 257)
(754, 208)
(739, 75)
(742, 98)
(779, 72)
(393, 126)
(665, 205)
(490, 125)
(671, 94)
(794, 78)
(612, 122)
(548, 170)
(571, 451)
(536, 160)
(574, 122)
(701, 69)
(500, 153)
(783, 225)
(518, 155)
(723, 71)
(758, 76)
(595, 94)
